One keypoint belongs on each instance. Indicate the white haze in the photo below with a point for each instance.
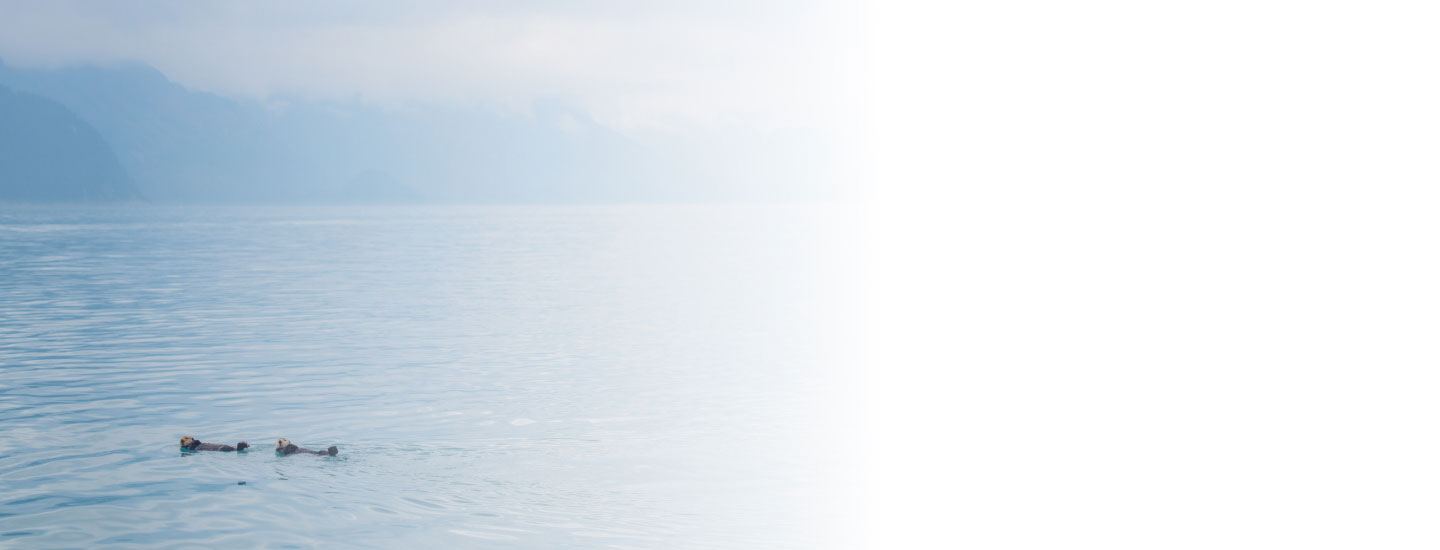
(634, 66)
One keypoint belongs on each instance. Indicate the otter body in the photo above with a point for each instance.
(188, 443)
(284, 447)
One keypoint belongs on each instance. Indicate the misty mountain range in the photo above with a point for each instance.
(49, 154)
(127, 132)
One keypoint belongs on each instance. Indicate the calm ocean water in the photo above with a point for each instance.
(527, 376)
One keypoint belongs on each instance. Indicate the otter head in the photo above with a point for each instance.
(242, 446)
(186, 441)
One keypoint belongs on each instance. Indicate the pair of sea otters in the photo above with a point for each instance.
(282, 447)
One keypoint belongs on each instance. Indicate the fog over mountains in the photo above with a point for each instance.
(124, 132)
(48, 154)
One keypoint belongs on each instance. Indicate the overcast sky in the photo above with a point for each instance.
(634, 65)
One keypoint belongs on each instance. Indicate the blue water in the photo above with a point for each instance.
(521, 376)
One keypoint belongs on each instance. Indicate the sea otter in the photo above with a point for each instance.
(285, 447)
(188, 443)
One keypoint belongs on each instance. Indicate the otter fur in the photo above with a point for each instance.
(188, 443)
(284, 447)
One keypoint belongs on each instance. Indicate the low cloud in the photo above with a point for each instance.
(636, 66)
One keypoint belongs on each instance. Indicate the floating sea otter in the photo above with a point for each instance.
(285, 447)
(188, 443)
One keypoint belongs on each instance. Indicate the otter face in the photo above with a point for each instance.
(282, 444)
(185, 441)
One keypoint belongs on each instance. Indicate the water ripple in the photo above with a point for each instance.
(530, 377)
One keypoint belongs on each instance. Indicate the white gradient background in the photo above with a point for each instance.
(1153, 275)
